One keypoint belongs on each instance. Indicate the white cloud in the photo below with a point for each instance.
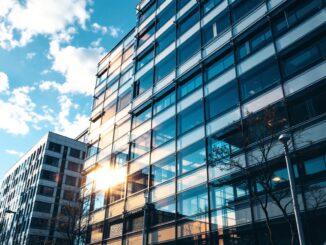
(98, 28)
(20, 21)
(30, 55)
(63, 125)
(18, 113)
(45, 72)
(114, 31)
(14, 152)
(4, 82)
(77, 65)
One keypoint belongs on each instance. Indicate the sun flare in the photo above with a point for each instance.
(105, 177)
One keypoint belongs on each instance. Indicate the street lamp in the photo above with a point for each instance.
(284, 138)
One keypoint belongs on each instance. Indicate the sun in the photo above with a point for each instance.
(105, 177)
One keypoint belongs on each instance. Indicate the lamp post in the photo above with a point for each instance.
(8, 211)
(284, 138)
(145, 218)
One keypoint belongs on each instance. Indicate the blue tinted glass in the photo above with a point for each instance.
(192, 157)
(220, 66)
(182, 3)
(164, 132)
(164, 102)
(187, 22)
(222, 99)
(163, 170)
(193, 202)
(165, 67)
(242, 8)
(144, 59)
(165, 39)
(190, 85)
(189, 48)
(166, 14)
(99, 200)
(146, 13)
(190, 118)
(259, 79)
(142, 117)
(315, 165)
(145, 36)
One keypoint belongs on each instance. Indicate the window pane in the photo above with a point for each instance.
(138, 181)
(165, 39)
(315, 165)
(220, 65)
(182, 3)
(167, 13)
(164, 132)
(210, 4)
(193, 202)
(217, 26)
(141, 145)
(303, 57)
(164, 210)
(165, 66)
(164, 102)
(163, 170)
(259, 79)
(142, 117)
(192, 157)
(49, 160)
(242, 8)
(146, 12)
(98, 200)
(190, 118)
(144, 83)
(188, 21)
(144, 36)
(188, 48)
(124, 100)
(190, 85)
(145, 58)
(222, 100)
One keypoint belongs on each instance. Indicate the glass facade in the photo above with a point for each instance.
(212, 70)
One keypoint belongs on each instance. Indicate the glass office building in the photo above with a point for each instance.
(39, 189)
(189, 77)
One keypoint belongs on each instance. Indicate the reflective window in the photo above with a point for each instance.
(164, 132)
(54, 147)
(128, 53)
(49, 175)
(117, 192)
(259, 79)
(145, 13)
(193, 202)
(219, 66)
(45, 190)
(141, 117)
(124, 100)
(163, 170)
(144, 58)
(49, 160)
(254, 43)
(188, 21)
(217, 26)
(191, 229)
(307, 104)
(210, 4)
(106, 140)
(304, 56)
(315, 165)
(145, 35)
(126, 76)
(115, 64)
(164, 40)
(143, 83)
(164, 102)
(192, 157)
(109, 112)
(42, 207)
(242, 8)
(190, 118)
(190, 85)
(138, 181)
(70, 180)
(226, 195)
(164, 210)
(99, 198)
(222, 100)
(141, 145)
(120, 158)
(188, 48)
(182, 3)
(165, 66)
(166, 14)
(298, 12)
(122, 129)
(224, 144)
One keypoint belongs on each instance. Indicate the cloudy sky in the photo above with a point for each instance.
(48, 55)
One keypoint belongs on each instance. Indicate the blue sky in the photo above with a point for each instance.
(48, 56)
